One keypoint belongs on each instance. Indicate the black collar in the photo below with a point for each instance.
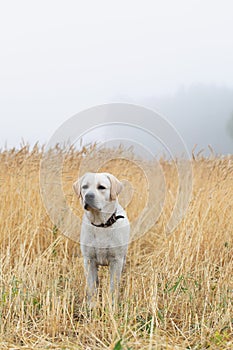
(110, 221)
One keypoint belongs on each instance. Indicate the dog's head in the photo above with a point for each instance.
(97, 190)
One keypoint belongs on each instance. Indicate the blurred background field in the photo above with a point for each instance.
(176, 291)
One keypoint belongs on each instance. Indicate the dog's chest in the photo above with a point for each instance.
(104, 244)
(99, 238)
(100, 249)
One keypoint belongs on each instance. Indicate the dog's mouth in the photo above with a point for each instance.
(88, 206)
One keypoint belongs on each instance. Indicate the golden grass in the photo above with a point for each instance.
(176, 291)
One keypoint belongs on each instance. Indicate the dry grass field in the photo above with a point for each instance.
(176, 290)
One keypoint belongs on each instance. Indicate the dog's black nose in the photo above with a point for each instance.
(89, 196)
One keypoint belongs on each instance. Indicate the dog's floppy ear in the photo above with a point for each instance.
(116, 186)
(77, 186)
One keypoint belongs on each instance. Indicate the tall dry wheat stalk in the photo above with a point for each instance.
(177, 289)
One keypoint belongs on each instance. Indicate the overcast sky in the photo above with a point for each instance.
(60, 57)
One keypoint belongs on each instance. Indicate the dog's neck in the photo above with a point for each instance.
(100, 217)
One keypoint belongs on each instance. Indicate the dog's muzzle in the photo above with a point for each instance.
(89, 201)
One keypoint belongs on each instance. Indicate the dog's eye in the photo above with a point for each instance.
(84, 187)
(100, 187)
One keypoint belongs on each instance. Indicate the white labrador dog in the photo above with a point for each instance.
(105, 230)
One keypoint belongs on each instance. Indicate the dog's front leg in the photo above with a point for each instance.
(116, 267)
(92, 278)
